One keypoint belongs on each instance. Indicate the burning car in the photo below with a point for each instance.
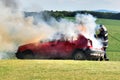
(79, 49)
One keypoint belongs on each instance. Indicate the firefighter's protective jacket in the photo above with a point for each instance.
(103, 35)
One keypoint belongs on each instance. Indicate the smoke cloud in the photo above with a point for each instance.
(86, 26)
(10, 4)
(16, 30)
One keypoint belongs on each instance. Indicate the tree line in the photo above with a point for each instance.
(62, 14)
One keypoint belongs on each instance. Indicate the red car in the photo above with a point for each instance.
(80, 49)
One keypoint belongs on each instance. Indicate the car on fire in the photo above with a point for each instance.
(79, 49)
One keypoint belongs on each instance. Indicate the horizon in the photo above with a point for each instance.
(69, 5)
(100, 10)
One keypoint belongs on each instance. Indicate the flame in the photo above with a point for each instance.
(82, 29)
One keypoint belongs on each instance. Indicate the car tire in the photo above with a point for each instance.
(28, 54)
(19, 55)
(78, 55)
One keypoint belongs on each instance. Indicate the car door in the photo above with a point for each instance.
(46, 50)
(64, 49)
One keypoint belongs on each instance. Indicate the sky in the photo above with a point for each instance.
(70, 5)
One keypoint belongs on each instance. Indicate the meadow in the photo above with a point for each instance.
(69, 69)
(113, 27)
(59, 70)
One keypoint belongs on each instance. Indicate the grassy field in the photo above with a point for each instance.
(113, 27)
(59, 70)
(69, 69)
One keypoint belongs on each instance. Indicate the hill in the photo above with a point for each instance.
(106, 14)
(106, 11)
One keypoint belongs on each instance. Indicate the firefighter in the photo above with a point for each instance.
(103, 35)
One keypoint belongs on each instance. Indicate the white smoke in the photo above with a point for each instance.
(87, 26)
(12, 4)
(16, 30)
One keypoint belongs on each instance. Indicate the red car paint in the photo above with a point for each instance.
(55, 49)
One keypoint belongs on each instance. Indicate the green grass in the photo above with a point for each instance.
(58, 70)
(69, 69)
(113, 27)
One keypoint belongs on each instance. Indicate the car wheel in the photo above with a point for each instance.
(78, 55)
(19, 55)
(28, 54)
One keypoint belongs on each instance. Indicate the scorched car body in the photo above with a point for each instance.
(79, 49)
